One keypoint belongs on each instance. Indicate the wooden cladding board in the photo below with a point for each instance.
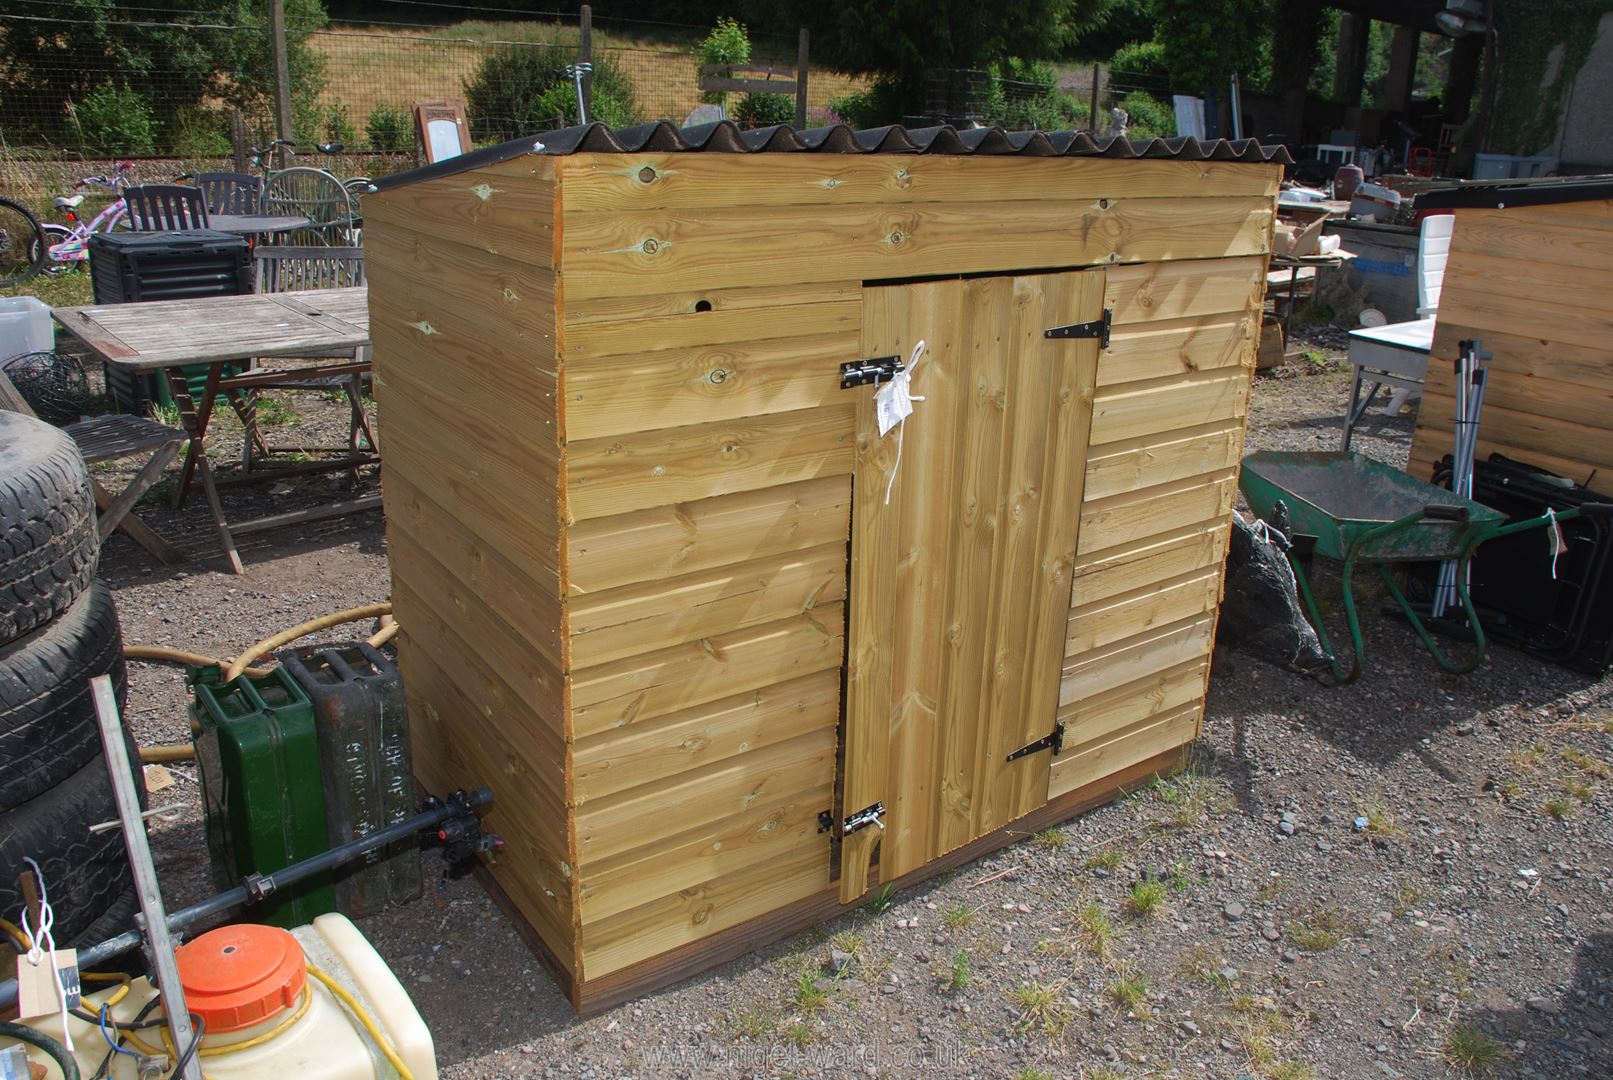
(1531, 283)
(639, 225)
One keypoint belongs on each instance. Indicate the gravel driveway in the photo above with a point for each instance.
(1231, 922)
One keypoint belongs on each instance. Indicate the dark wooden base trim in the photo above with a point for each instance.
(593, 996)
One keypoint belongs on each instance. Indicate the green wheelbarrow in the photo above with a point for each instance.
(1355, 510)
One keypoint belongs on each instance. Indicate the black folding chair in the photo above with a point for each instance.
(165, 207)
(231, 192)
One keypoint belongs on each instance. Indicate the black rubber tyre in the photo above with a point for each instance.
(109, 924)
(48, 728)
(48, 545)
(85, 873)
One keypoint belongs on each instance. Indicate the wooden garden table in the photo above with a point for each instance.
(168, 335)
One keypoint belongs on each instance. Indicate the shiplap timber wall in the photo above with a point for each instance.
(1532, 283)
(625, 568)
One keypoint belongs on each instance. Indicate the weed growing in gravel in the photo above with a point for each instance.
(1319, 931)
(1379, 819)
(1130, 991)
(1469, 1050)
(1581, 760)
(1097, 930)
(849, 941)
(275, 412)
(1527, 758)
(1051, 839)
(1579, 789)
(882, 902)
(807, 995)
(1263, 1059)
(960, 971)
(1561, 809)
(1272, 889)
(1040, 1007)
(1290, 1070)
(1407, 895)
(1103, 859)
(750, 1023)
(799, 1034)
(1509, 789)
(1031, 1072)
(1202, 965)
(958, 917)
(1191, 797)
(1146, 898)
(1104, 1073)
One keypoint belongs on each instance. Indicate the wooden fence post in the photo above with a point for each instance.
(1092, 114)
(801, 81)
(238, 139)
(282, 78)
(585, 55)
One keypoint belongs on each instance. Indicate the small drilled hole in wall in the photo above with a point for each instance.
(646, 175)
(702, 305)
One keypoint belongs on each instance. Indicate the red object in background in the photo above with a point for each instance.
(1346, 180)
(1420, 162)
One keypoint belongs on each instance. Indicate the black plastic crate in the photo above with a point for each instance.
(134, 267)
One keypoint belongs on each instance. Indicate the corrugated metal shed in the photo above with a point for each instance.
(724, 137)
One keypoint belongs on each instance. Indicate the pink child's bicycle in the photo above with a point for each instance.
(68, 245)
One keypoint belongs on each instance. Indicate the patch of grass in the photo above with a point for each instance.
(1129, 990)
(1527, 758)
(1104, 1073)
(1561, 809)
(1103, 859)
(1146, 898)
(1407, 895)
(849, 941)
(1032, 1072)
(166, 414)
(798, 1034)
(1097, 929)
(959, 979)
(275, 411)
(1203, 966)
(1509, 789)
(1379, 820)
(1040, 1008)
(749, 1023)
(882, 902)
(1580, 790)
(958, 917)
(1469, 1050)
(807, 995)
(1290, 1070)
(1319, 931)
(1052, 839)
(1272, 889)
(1314, 357)
(1181, 880)
(1191, 797)
(1578, 758)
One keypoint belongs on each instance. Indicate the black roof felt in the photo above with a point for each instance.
(723, 137)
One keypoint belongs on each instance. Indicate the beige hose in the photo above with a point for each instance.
(158, 755)
(312, 626)
(164, 655)
(388, 631)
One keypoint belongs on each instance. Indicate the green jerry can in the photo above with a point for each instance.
(262, 789)
(357, 697)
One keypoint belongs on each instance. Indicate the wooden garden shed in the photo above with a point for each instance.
(1529, 275)
(651, 586)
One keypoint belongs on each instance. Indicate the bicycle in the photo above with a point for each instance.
(68, 246)
(22, 244)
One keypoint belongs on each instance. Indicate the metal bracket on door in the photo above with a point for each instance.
(868, 815)
(1097, 328)
(1053, 742)
(876, 369)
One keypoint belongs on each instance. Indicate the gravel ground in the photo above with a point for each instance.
(1231, 922)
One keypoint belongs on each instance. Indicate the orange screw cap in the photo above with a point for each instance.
(241, 975)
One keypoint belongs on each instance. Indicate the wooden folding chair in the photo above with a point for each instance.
(113, 438)
(165, 207)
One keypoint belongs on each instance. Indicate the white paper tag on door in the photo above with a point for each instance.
(893, 403)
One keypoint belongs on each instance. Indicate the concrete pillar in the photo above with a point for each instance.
(1397, 86)
(1462, 77)
(1351, 63)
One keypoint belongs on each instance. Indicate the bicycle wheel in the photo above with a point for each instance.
(53, 235)
(22, 247)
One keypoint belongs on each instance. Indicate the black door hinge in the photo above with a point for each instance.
(1053, 742)
(1097, 328)
(875, 369)
(868, 815)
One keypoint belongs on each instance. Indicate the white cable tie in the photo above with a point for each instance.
(1556, 537)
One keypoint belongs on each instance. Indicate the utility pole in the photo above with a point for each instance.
(282, 78)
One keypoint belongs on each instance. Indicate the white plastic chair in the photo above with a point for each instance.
(1396, 355)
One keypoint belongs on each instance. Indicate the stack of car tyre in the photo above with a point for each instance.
(58, 630)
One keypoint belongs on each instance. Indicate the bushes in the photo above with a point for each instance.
(879, 104)
(764, 110)
(114, 120)
(521, 89)
(1145, 58)
(389, 129)
(1149, 117)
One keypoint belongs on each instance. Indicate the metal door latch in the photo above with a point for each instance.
(1097, 328)
(868, 815)
(1053, 742)
(875, 369)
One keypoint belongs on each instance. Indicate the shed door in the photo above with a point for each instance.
(960, 585)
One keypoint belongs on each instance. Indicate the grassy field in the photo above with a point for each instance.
(368, 66)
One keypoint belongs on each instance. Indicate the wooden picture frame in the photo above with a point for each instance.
(439, 126)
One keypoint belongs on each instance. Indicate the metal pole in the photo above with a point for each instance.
(282, 78)
(1237, 108)
(801, 80)
(145, 874)
(585, 60)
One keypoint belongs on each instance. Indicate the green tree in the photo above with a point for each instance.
(523, 89)
(898, 41)
(728, 44)
(57, 53)
(1206, 42)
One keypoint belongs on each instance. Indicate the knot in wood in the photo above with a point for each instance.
(647, 175)
(718, 376)
(651, 246)
(1103, 204)
(897, 237)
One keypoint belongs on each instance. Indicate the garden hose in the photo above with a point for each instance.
(164, 655)
(46, 1045)
(268, 645)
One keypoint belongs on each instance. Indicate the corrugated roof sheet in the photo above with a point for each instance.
(723, 137)
(1499, 196)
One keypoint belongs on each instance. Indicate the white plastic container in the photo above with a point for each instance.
(324, 1043)
(24, 326)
